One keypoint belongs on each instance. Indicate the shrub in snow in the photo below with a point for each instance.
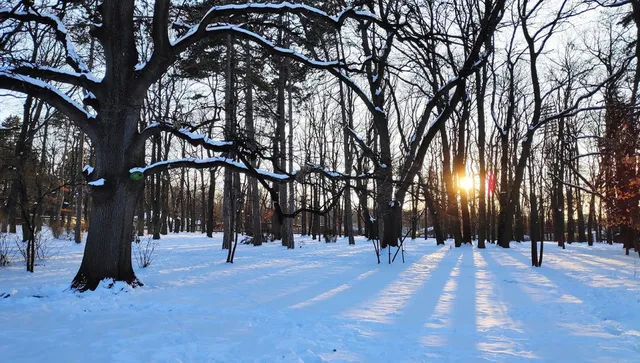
(143, 251)
(329, 236)
(134, 235)
(56, 229)
(6, 250)
(44, 246)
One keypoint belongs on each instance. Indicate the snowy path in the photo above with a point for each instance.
(331, 302)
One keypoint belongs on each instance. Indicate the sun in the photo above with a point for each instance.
(466, 183)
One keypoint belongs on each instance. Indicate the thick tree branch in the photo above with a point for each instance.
(53, 96)
(83, 80)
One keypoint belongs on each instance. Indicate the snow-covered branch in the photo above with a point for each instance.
(163, 58)
(184, 134)
(40, 17)
(197, 32)
(51, 95)
(218, 161)
(245, 168)
(84, 80)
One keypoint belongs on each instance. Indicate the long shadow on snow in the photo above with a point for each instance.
(518, 302)
(597, 264)
(450, 313)
(598, 288)
(359, 294)
(561, 311)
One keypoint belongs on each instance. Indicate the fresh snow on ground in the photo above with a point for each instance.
(330, 302)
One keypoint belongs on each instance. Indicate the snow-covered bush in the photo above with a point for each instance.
(143, 251)
(7, 251)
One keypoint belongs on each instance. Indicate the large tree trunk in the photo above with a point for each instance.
(581, 225)
(558, 211)
(414, 212)
(347, 117)
(140, 224)
(482, 204)
(303, 215)
(452, 201)
(79, 192)
(107, 253)
(229, 202)
(571, 227)
(254, 225)
(210, 203)
(433, 212)
(459, 165)
(287, 230)
(591, 219)
(533, 217)
(156, 192)
(505, 218)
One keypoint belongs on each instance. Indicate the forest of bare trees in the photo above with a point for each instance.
(481, 121)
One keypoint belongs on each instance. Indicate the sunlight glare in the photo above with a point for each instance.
(466, 183)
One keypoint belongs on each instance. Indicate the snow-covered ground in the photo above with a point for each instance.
(330, 302)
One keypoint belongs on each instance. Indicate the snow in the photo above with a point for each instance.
(330, 302)
(97, 183)
(88, 169)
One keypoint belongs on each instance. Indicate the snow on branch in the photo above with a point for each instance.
(97, 183)
(197, 32)
(183, 133)
(212, 162)
(84, 80)
(272, 47)
(30, 15)
(245, 168)
(303, 9)
(50, 94)
(334, 67)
